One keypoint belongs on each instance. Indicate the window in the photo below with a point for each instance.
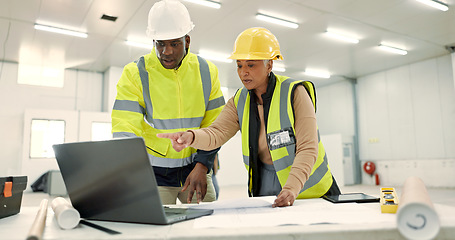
(101, 131)
(44, 134)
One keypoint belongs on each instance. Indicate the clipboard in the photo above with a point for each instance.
(351, 197)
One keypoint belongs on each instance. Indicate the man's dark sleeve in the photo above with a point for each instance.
(206, 157)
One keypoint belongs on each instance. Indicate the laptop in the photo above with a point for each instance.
(113, 181)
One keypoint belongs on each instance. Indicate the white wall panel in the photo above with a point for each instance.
(10, 121)
(232, 169)
(452, 56)
(81, 91)
(335, 117)
(427, 109)
(111, 77)
(333, 145)
(401, 127)
(421, 115)
(395, 172)
(335, 109)
(362, 118)
(447, 98)
(373, 105)
(89, 91)
(409, 110)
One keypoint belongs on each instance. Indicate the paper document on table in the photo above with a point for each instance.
(252, 202)
(303, 212)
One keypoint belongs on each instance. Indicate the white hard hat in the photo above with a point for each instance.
(168, 19)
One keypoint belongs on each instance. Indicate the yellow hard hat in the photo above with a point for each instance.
(256, 44)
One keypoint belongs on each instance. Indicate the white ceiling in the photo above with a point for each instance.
(423, 31)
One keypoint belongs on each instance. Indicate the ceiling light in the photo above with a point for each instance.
(138, 44)
(60, 30)
(393, 49)
(206, 3)
(315, 73)
(215, 56)
(276, 20)
(278, 68)
(342, 37)
(436, 4)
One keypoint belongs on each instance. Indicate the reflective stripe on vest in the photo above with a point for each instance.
(243, 99)
(170, 162)
(128, 105)
(169, 124)
(283, 158)
(123, 134)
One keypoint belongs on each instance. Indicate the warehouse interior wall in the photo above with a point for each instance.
(401, 119)
(406, 121)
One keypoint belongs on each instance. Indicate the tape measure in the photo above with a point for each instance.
(389, 200)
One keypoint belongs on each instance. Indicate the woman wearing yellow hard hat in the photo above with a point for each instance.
(276, 116)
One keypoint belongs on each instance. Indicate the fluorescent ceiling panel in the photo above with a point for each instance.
(393, 49)
(435, 4)
(206, 3)
(219, 57)
(341, 37)
(138, 44)
(60, 31)
(316, 73)
(276, 20)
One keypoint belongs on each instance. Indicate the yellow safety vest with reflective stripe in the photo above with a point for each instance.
(152, 99)
(281, 116)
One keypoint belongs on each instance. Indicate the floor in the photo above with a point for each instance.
(444, 196)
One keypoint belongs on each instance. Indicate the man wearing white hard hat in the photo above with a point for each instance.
(168, 90)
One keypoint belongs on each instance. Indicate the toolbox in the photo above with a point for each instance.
(12, 189)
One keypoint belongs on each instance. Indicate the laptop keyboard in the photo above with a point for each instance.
(174, 211)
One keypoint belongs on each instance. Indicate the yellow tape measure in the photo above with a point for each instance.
(389, 200)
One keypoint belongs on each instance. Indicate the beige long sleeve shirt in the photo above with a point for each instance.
(227, 125)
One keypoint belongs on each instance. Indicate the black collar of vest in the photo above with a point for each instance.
(267, 96)
(254, 126)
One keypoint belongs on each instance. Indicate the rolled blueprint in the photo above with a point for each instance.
(67, 217)
(416, 217)
(37, 229)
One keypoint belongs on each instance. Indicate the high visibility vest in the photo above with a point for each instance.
(281, 117)
(152, 99)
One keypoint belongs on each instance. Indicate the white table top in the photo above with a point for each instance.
(371, 226)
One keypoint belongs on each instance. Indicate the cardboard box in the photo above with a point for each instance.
(12, 189)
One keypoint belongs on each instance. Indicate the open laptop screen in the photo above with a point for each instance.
(111, 180)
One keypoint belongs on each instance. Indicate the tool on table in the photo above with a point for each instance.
(389, 200)
(37, 229)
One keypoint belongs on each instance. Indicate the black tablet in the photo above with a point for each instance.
(351, 197)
